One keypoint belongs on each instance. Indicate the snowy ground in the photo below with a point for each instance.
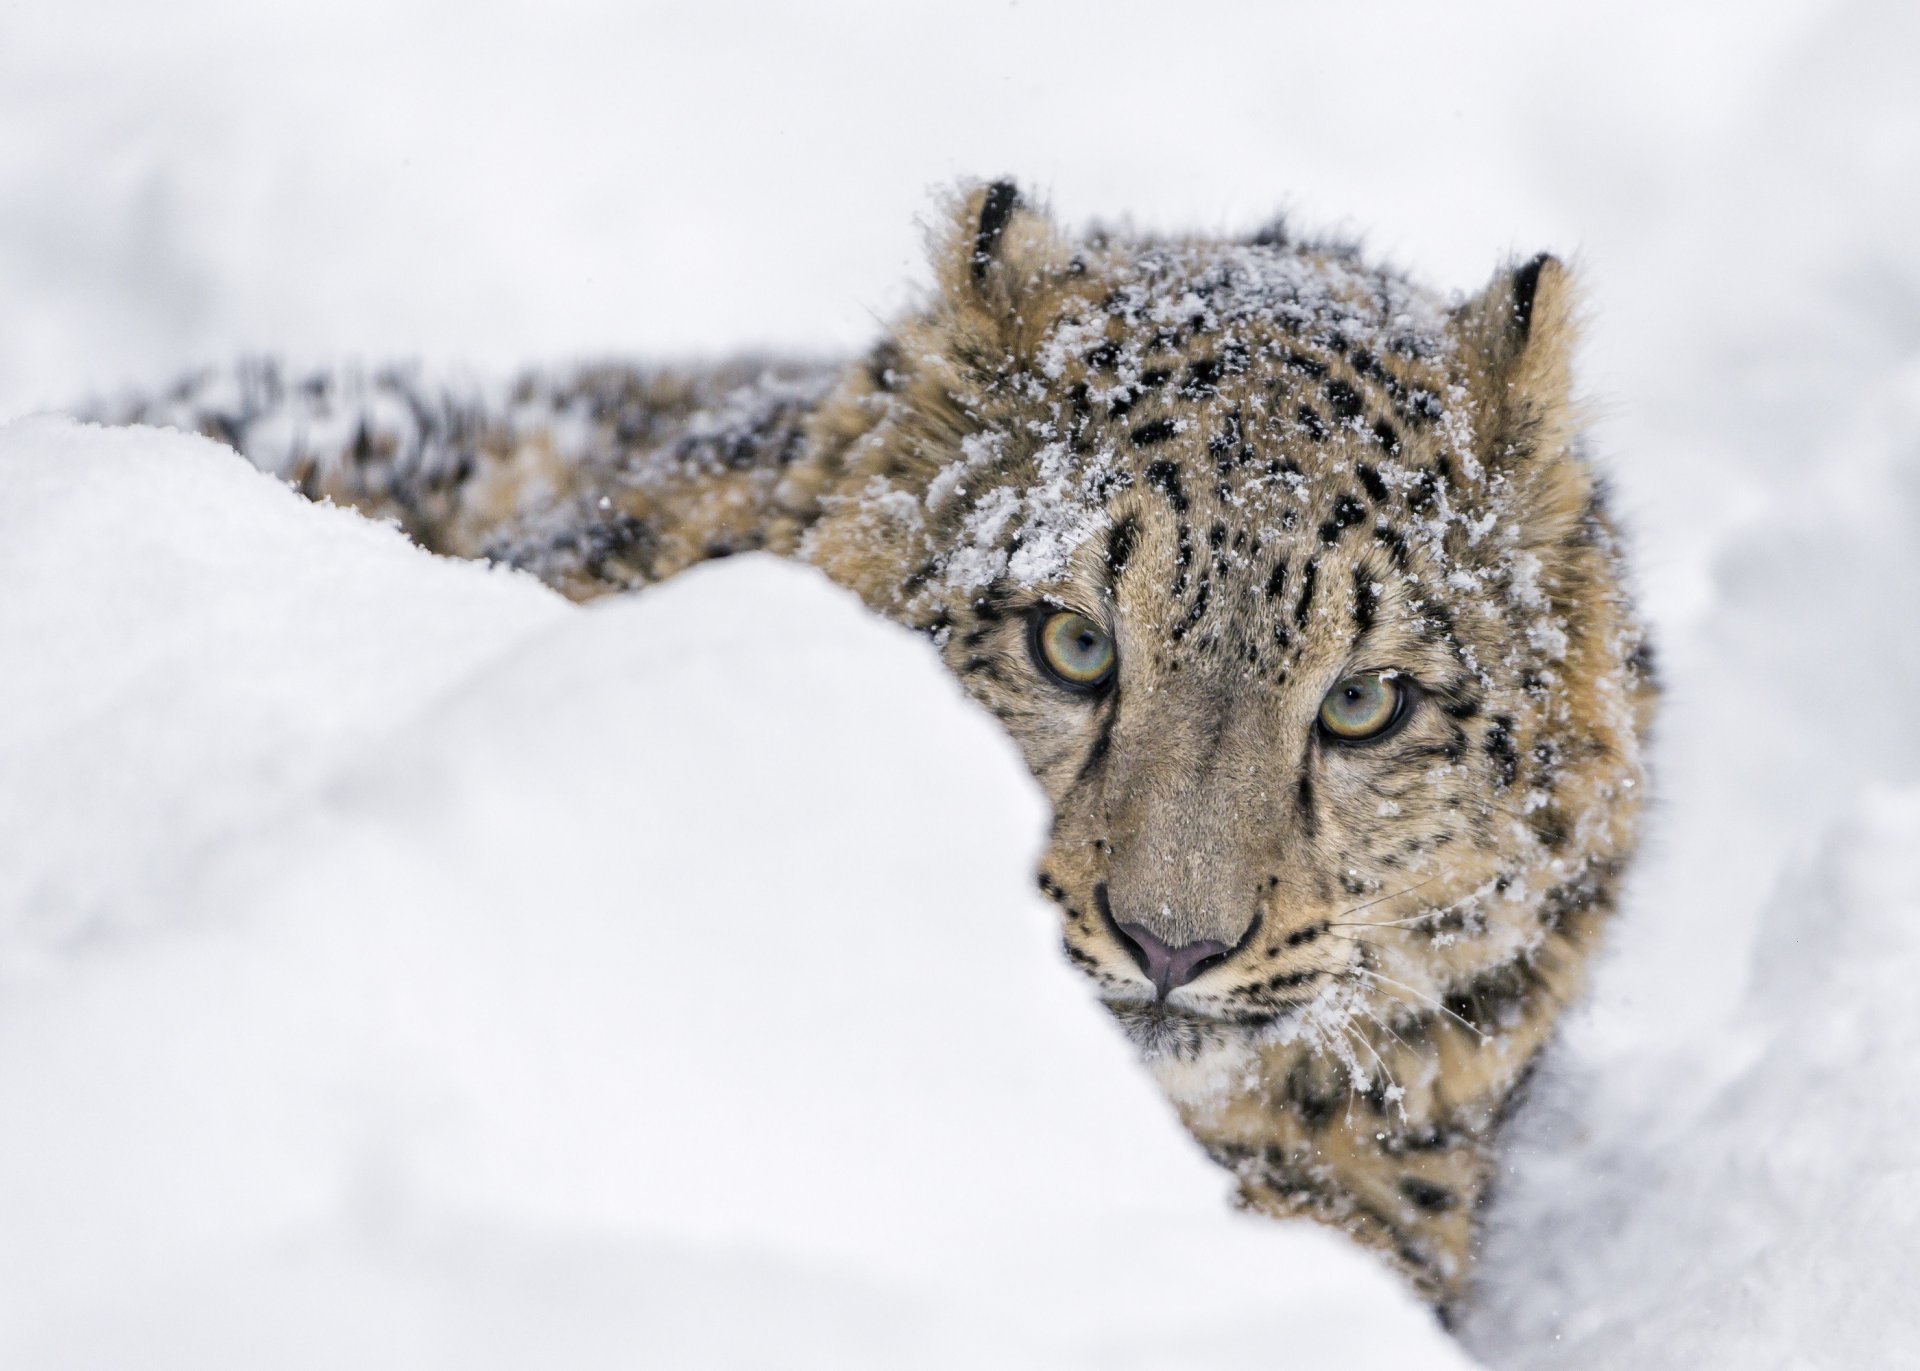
(329, 995)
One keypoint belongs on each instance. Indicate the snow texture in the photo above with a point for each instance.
(378, 936)
(654, 984)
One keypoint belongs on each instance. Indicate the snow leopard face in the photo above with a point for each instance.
(1304, 613)
(1289, 583)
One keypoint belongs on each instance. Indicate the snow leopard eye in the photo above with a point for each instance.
(1072, 649)
(1363, 707)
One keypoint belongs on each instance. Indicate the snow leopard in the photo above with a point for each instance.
(1290, 578)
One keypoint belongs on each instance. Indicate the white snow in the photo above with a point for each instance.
(656, 984)
(331, 1015)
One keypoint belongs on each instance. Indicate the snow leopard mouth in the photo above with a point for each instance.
(1157, 1027)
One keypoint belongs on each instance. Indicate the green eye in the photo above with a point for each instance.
(1073, 649)
(1363, 707)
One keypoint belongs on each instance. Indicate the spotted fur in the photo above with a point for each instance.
(1264, 465)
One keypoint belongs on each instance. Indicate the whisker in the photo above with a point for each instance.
(1408, 922)
(1393, 895)
(1423, 996)
(1386, 1028)
(1385, 1070)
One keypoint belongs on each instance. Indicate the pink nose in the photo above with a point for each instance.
(1169, 968)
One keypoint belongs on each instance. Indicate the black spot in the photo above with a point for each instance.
(1217, 534)
(1499, 745)
(1288, 980)
(1526, 284)
(1300, 937)
(1304, 795)
(1165, 476)
(1305, 365)
(1495, 997)
(1423, 495)
(1315, 426)
(1347, 512)
(1370, 480)
(1425, 1195)
(1222, 444)
(1464, 707)
(1564, 903)
(1344, 400)
(1387, 437)
(1395, 543)
(1080, 959)
(1423, 407)
(995, 210)
(1202, 377)
(1314, 1105)
(1103, 358)
(1182, 559)
(1154, 379)
(1154, 431)
(1277, 579)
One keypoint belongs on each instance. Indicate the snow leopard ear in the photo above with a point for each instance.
(1516, 342)
(998, 261)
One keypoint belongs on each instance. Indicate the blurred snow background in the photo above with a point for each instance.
(374, 931)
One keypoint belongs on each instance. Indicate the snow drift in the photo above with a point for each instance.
(406, 968)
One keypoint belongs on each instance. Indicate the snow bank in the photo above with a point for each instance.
(1761, 1209)
(405, 968)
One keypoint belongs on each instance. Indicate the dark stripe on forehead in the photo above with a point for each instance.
(1122, 539)
(1305, 605)
(1366, 598)
(1198, 608)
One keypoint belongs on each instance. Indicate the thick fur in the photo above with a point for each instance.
(1264, 466)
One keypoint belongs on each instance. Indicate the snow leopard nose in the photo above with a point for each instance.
(1169, 968)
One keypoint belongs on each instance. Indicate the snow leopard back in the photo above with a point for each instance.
(595, 479)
